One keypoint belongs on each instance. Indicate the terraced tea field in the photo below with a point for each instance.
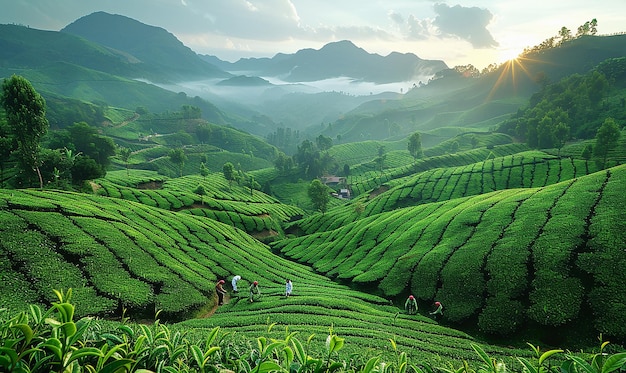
(507, 258)
(122, 256)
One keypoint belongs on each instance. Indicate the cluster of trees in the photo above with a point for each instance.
(284, 138)
(70, 156)
(575, 107)
(564, 35)
(311, 159)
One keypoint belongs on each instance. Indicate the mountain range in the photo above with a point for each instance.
(111, 59)
(336, 59)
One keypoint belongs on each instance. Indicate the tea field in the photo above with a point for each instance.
(534, 257)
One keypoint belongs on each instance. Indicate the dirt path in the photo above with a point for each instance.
(132, 119)
(211, 311)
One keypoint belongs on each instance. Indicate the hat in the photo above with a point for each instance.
(256, 283)
(437, 304)
(220, 282)
(411, 297)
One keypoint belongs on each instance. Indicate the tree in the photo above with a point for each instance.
(564, 34)
(319, 195)
(561, 133)
(26, 115)
(86, 139)
(204, 170)
(201, 192)
(178, 157)
(86, 168)
(229, 172)
(587, 152)
(125, 154)
(606, 139)
(7, 146)
(415, 146)
(323, 142)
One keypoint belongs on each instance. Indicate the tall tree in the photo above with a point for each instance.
(319, 195)
(125, 154)
(606, 139)
(323, 142)
(229, 172)
(6, 147)
(204, 170)
(26, 115)
(415, 145)
(178, 157)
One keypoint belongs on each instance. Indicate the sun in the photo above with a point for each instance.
(508, 54)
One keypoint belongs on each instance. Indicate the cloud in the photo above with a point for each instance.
(247, 19)
(396, 17)
(466, 23)
(418, 29)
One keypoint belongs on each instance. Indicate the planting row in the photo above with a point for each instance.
(117, 253)
(523, 170)
(527, 250)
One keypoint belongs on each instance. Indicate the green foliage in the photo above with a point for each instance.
(54, 340)
(179, 157)
(319, 194)
(514, 245)
(606, 138)
(569, 107)
(26, 115)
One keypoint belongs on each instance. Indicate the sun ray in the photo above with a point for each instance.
(509, 73)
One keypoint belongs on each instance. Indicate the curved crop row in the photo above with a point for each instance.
(524, 170)
(509, 258)
(117, 253)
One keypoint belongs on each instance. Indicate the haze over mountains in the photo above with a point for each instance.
(108, 58)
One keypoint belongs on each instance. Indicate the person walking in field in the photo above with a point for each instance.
(439, 311)
(234, 283)
(254, 290)
(288, 288)
(410, 305)
(220, 291)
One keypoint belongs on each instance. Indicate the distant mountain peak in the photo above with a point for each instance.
(154, 46)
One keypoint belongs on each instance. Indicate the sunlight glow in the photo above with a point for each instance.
(509, 74)
(506, 55)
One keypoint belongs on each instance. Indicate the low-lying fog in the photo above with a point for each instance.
(280, 100)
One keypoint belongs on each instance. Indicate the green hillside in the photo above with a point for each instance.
(477, 103)
(115, 257)
(506, 260)
(522, 240)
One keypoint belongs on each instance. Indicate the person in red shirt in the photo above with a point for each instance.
(220, 291)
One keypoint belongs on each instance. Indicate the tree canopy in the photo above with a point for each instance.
(26, 115)
(318, 193)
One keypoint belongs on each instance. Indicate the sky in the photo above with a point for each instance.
(460, 32)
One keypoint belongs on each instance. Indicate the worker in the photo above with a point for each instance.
(254, 290)
(410, 305)
(439, 311)
(220, 291)
(234, 282)
(288, 288)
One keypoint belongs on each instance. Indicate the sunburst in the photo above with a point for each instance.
(510, 71)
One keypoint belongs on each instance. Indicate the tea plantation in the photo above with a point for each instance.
(548, 258)
(519, 245)
(115, 257)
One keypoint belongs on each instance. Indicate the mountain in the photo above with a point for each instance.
(158, 51)
(24, 47)
(337, 59)
(480, 103)
(62, 65)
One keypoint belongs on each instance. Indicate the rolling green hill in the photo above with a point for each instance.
(114, 255)
(505, 260)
